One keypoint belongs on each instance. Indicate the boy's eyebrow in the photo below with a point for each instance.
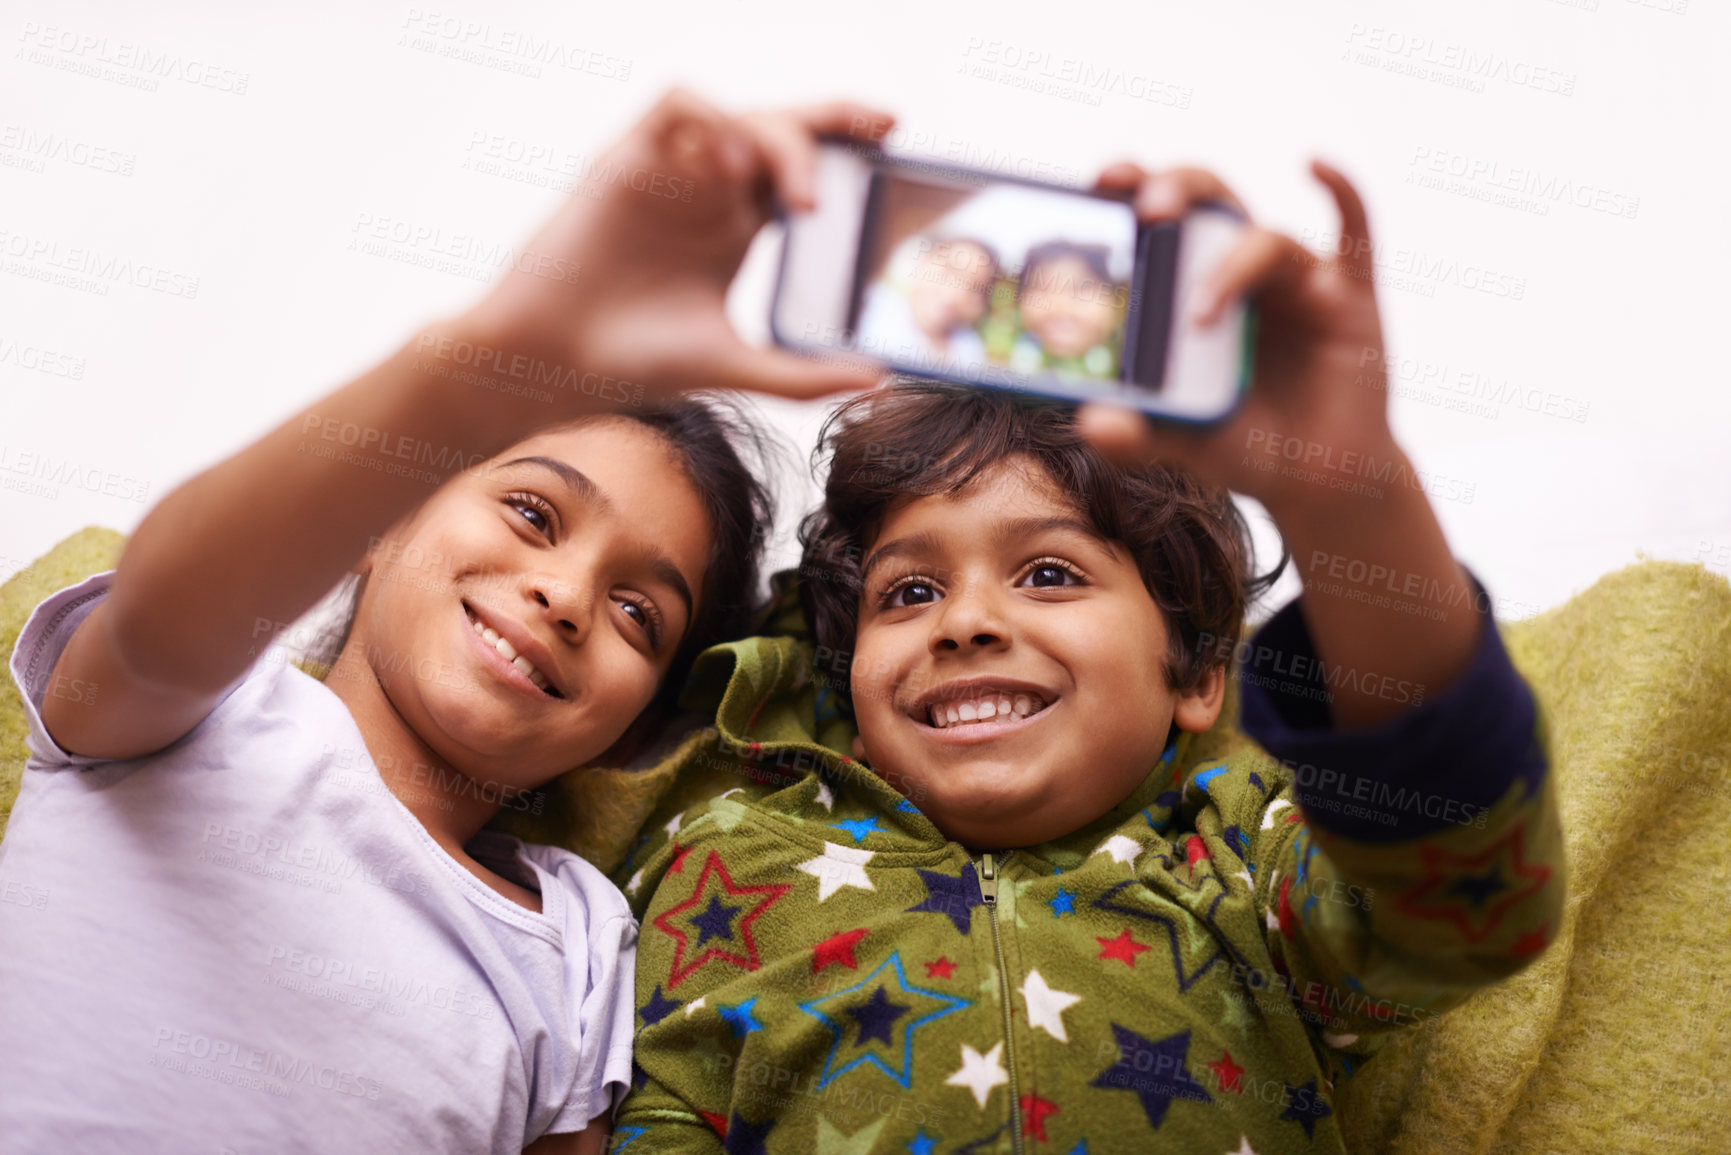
(1007, 531)
(659, 563)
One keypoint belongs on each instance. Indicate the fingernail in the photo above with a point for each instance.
(1204, 305)
(1163, 196)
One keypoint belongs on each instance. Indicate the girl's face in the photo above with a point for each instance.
(1002, 605)
(584, 549)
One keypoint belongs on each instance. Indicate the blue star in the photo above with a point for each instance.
(1063, 903)
(907, 807)
(922, 1144)
(716, 922)
(746, 1138)
(877, 1018)
(739, 1017)
(1205, 777)
(629, 1133)
(1305, 1107)
(657, 1008)
(955, 898)
(1154, 1071)
(1081, 1147)
(1478, 888)
(878, 1015)
(858, 827)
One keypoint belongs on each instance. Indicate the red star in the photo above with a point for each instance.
(1034, 1112)
(1283, 910)
(1123, 947)
(680, 969)
(718, 1122)
(1530, 943)
(679, 853)
(1195, 850)
(942, 969)
(1229, 1073)
(1428, 900)
(837, 949)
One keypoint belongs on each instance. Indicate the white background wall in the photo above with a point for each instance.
(1594, 289)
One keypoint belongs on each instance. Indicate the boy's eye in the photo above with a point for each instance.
(915, 593)
(1050, 573)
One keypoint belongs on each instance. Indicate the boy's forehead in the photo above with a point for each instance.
(1014, 486)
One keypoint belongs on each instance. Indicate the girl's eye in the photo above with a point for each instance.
(645, 616)
(1052, 574)
(535, 511)
(910, 593)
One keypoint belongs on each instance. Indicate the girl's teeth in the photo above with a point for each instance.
(524, 666)
(1023, 704)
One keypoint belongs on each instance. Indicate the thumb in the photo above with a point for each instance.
(782, 374)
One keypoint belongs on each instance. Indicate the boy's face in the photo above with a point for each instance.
(583, 559)
(949, 289)
(1004, 594)
(1068, 307)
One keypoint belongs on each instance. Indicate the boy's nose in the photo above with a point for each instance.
(968, 621)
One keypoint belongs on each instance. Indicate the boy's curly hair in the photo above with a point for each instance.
(915, 439)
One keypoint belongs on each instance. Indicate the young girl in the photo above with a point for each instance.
(274, 920)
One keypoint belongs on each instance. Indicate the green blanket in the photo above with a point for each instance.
(1620, 1035)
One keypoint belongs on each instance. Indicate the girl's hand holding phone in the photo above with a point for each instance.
(682, 195)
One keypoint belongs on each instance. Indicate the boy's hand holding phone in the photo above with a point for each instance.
(682, 194)
(1311, 440)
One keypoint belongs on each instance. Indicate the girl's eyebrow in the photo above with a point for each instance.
(587, 491)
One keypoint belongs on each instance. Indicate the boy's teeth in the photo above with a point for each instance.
(983, 708)
(524, 666)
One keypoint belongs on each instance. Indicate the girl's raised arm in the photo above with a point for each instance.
(615, 301)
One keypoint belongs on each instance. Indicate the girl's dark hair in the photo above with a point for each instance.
(725, 451)
(917, 439)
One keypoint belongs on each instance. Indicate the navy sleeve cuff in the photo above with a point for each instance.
(1438, 763)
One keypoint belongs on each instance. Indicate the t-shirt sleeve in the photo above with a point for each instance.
(605, 1026)
(40, 644)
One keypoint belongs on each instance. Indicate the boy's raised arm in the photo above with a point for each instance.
(615, 301)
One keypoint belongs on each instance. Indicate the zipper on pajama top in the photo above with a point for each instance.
(988, 875)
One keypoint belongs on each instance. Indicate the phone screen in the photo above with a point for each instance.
(985, 281)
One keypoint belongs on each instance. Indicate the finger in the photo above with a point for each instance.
(1124, 176)
(782, 374)
(845, 118)
(1260, 259)
(696, 134)
(1121, 434)
(1354, 249)
(790, 153)
(1168, 194)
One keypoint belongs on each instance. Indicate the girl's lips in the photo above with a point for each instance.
(495, 661)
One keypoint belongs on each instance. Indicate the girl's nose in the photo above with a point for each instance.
(569, 608)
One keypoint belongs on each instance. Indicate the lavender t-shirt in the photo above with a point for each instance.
(245, 943)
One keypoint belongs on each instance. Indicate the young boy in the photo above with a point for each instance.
(1044, 903)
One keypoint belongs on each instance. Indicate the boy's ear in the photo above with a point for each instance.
(1196, 710)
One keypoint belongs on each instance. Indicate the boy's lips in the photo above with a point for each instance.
(979, 709)
(524, 646)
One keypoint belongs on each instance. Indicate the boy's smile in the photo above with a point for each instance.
(1009, 663)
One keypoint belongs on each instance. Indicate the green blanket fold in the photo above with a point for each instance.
(1620, 1035)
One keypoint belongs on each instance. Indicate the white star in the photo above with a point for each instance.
(672, 828)
(1243, 1147)
(735, 790)
(1046, 1006)
(1335, 1040)
(636, 881)
(980, 1073)
(1249, 883)
(1274, 808)
(825, 797)
(1120, 847)
(836, 867)
(1272, 919)
(694, 1004)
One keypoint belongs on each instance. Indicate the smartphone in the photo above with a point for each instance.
(945, 272)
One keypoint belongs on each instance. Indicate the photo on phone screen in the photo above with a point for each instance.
(1007, 276)
(959, 275)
